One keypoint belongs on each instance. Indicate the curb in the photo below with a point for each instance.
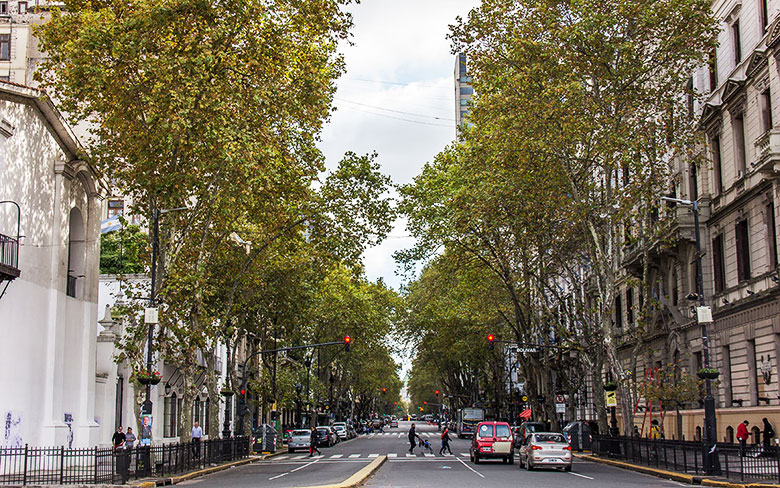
(195, 474)
(359, 477)
(681, 477)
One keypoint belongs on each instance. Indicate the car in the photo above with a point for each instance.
(393, 423)
(545, 449)
(492, 440)
(325, 436)
(341, 430)
(529, 427)
(299, 439)
(413, 417)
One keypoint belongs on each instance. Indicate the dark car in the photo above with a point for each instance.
(529, 428)
(325, 437)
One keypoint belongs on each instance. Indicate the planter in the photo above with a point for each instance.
(226, 393)
(708, 375)
(610, 387)
(149, 380)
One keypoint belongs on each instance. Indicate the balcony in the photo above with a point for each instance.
(768, 153)
(9, 258)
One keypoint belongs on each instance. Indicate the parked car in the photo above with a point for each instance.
(341, 430)
(393, 423)
(299, 439)
(492, 440)
(545, 449)
(325, 436)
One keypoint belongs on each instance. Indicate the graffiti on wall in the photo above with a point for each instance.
(11, 429)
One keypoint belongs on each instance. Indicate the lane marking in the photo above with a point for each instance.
(392, 455)
(581, 475)
(337, 456)
(353, 456)
(293, 470)
(464, 454)
(428, 454)
(373, 455)
(301, 457)
(472, 469)
(411, 455)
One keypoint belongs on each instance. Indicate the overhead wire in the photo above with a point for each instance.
(400, 118)
(393, 110)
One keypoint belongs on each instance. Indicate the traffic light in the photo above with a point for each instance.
(384, 390)
(243, 408)
(421, 409)
(425, 403)
(491, 339)
(437, 393)
(347, 341)
(395, 403)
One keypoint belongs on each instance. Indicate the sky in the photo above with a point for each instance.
(397, 98)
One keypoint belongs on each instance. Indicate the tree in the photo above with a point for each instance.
(124, 251)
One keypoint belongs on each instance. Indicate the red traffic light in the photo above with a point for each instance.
(437, 392)
(491, 338)
(242, 392)
(395, 403)
(425, 403)
(347, 339)
(384, 390)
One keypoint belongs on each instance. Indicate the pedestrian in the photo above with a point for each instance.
(197, 435)
(118, 439)
(412, 439)
(313, 443)
(768, 433)
(129, 438)
(445, 441)
(636, 431)
(742, 436)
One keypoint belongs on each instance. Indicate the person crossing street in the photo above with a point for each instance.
(313, 443)
(412, 439)
(445, 442)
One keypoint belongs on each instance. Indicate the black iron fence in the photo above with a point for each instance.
(9, 251)
(754, 463)
(100, 465)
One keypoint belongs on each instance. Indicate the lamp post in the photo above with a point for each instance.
(704, 315)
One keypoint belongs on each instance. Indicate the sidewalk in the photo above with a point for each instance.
(172, 480)
(673, 475)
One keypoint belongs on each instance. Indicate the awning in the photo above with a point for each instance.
(526, 414)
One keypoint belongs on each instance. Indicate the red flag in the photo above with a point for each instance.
(526, 414)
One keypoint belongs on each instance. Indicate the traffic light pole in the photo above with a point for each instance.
(242, 407)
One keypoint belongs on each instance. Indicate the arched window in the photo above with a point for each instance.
(76, 253)
(730, 434)
(698, 433)
(170, 419)
(755, 433)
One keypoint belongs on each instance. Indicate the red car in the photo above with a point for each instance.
(492, 440)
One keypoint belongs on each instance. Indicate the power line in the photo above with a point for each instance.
(393, 82)
(394, 111)
(402, 119)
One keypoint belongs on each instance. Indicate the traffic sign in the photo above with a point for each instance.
(560, 398)
(525, 398)
(560, 408)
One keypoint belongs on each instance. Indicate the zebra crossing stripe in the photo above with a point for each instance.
(392, 455)
(464, 454)
(301, 457)
(411, 455)
(337, 456)
(375, 455)
(428, 454)
(353, 456)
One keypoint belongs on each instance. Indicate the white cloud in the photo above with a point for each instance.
(403, 44)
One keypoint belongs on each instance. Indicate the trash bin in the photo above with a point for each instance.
(579, 435)
(269, 438)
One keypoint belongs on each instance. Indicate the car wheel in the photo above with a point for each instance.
(567, 469)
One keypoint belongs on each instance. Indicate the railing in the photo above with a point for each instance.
(98, 465)
(9, 251)
(755, 463)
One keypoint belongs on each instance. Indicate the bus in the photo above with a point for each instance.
(468, 418)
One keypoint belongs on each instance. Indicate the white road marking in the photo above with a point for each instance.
(400, 434)
(428, 454)
(336, 456)
(292, 470)
(353, 456)
(373, 455)
(301, 457)
(472, 469)
(411, 455)
(392, 455)
(581, 475)
(464, 454)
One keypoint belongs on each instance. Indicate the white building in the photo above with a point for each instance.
(48, 316)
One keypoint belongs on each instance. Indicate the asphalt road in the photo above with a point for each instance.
(418, 470)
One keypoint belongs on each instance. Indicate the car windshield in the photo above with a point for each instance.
(503, 431)
(338, 427)
(486, 430)
(549, 438)
(301, 432)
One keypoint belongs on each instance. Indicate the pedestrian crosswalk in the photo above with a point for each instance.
(390, 455)
(399, 434)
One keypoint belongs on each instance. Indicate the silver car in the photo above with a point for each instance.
(545, 449)
(341, 430)
(299, 439)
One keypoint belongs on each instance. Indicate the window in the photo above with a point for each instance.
(689, 97)
(693, 183)
(771, 234)
(743, 250)
(119, 401)
(466, 90)
(618, 311)
(713, 68)
(717, 263)
(763, 13)
(76, 252)
(486, 430)
(170, 423)
(766, 111)
(196, 410)
(3, 8)
(716, 166)
(22, 7)
(5, 47)
(736, 38)
(630, 306)
(738, 125)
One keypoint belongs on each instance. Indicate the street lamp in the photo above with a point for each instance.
(703, 315)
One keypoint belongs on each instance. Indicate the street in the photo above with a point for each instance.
(417, 470)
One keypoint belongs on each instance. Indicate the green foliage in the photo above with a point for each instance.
(124, 251)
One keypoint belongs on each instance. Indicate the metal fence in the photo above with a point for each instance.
(754, 463)
(9, 251)
(100, 465)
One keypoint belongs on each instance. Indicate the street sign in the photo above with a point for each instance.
(150, 315)
(704, 314)
(611, 398)
(560, 408)
(525, 398)
(560, 399)
(527, 349)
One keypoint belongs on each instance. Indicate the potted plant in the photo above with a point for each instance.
(708, 373)
(146, 378)
(610, 386)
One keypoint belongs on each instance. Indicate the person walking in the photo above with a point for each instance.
(412, 439)
(445, 441)
(197, 434)
(768, 434)
(313, 443)
(129, 438)
(742, 436)
(119, 438)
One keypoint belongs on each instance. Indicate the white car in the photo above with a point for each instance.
(545, 449)
(341, 430)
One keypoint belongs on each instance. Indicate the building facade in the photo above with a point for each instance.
(463, 91)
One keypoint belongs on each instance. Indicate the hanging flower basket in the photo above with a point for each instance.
(611, 386)
(226, 392)
(708, 373)
(148, 379)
